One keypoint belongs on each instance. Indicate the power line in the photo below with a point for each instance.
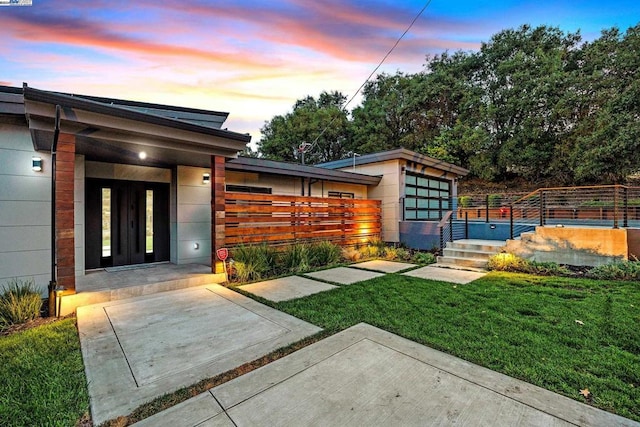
(315, 141)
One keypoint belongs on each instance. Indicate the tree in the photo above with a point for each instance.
(320, 123)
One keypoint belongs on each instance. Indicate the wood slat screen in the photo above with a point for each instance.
(282, 220)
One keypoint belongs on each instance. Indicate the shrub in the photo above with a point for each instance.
(20, 302)
(371, 252)
(464, 201)
(424, 258)
(253, 262)
(495, 200)
(402, 254)
(507, 262)
(621, 270)
(323, 253)
(295, 258)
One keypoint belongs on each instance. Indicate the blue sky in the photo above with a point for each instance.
(255, 58)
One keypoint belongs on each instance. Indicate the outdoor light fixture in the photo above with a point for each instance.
(142, 155)
(196, 246)
(492, 226)
(36, 164)
(206, 178)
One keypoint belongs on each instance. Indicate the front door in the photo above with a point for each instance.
(127, 222)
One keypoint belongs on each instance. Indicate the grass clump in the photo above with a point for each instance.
(294, 258)
(622, 270)
(323, 253)
(20, 302)
(42, 377)
(253, 262)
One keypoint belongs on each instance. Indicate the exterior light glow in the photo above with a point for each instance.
(206, 178)
(142, 155)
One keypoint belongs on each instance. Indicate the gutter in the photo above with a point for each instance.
(53, 282)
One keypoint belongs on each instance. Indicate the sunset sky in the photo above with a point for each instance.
(251, 58)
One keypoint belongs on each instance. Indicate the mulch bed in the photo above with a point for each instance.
(13, 329)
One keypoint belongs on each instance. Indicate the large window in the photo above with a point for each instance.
(426, 198)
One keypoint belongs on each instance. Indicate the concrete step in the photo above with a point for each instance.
(492, 246)
(458, 267)
(467, 253)
(462, 262)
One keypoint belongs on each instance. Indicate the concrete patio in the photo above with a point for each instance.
(366, 376)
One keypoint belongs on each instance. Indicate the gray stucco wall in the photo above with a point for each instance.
(193, 217)
(25, 209)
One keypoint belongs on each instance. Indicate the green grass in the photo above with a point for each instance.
(521, 325)
(42, 377)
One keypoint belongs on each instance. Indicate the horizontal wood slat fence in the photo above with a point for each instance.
(283, 220)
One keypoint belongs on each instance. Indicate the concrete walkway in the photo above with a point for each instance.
(366, 376)
(286, 288)
(140, 348)
(450, 275)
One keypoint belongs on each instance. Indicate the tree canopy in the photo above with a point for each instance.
(535, 103)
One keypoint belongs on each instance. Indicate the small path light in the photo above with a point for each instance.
(59, 290)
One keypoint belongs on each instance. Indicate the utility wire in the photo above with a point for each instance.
(315, 141)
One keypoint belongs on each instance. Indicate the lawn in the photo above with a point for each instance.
(42, 377)
(558, 333)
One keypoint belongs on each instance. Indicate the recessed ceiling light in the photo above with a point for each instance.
(142, 155)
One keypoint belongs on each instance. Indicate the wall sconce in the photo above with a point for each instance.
(492, 226)
(196, 246)
(206, 178)
(36, 164)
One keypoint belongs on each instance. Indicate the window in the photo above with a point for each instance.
(247, 189)
(105, 207)
(341, 194)
(426, 198)
(149, 226)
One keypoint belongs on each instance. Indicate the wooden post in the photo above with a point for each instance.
(65, 223)
(217, 211)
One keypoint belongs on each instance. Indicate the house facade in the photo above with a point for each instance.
(90, 183)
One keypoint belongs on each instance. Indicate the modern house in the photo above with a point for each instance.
(108, 182)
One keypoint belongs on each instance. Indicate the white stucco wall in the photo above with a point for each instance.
(25, 209)
(291, 185)
(193, 217)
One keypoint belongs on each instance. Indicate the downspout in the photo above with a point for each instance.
(53, 282)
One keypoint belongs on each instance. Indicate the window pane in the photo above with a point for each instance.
(422, 192)
(410, 179)
(149, 226)
(422, 214)
(434, 204)
(409, 203)
(423, 182)
(423, 203)
(410, 191)
(106, 222)
(410, 214)
(434, 214)
(445, 204)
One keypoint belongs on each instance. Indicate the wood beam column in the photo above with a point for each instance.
(65, 234)
(217, 210)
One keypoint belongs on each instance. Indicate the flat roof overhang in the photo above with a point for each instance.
(250, 164)
(117, 135)
(397, 154)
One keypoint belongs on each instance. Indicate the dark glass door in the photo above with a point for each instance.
(127, 222)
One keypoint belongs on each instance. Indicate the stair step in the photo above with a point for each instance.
(480, 246)
(467, 253)
(463, 262)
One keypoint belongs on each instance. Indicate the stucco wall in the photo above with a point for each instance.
(388, 192)
(193, 217)
(292, 186)
(25, 209)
